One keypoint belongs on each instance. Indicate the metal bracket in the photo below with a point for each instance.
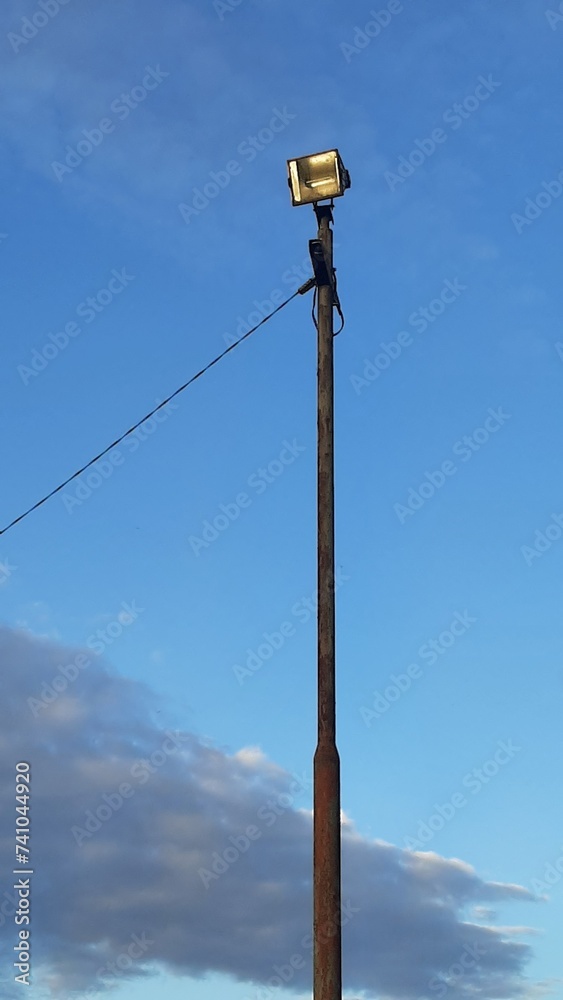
(309, 284)
(323, 212)
(320, 266)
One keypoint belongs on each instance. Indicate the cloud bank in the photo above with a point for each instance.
(152, 849)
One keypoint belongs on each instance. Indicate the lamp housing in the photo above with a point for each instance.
(317, 177)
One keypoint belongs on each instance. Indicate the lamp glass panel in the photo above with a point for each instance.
(314, 178)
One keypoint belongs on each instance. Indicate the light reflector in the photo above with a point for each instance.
(317, 177)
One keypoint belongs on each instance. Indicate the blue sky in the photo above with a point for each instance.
(449, 377)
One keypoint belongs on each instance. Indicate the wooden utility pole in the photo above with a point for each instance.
(327, 953)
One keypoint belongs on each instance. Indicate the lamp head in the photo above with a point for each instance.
(317, 177)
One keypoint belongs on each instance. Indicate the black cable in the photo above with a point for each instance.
(336, 303)
(338, 307)
(300, 291)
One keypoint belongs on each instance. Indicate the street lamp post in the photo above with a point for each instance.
(313, 179)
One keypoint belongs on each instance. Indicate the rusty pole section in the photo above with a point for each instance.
(327, 961)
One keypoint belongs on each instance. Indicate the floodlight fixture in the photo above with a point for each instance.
(317, 177)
